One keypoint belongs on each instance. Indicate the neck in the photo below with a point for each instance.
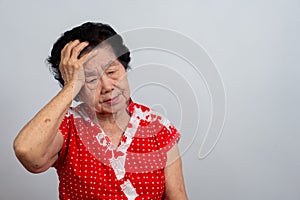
(111, 121)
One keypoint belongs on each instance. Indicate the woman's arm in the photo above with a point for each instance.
(38, 143)
(174, 186)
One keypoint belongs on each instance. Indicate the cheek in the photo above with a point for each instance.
(125, 86)
(123, 82)
(87, 96)
(126, 90)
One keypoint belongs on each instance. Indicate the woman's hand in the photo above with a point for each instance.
(38, 143)
(71, 67)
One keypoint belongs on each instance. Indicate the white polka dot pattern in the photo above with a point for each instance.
(84, 165)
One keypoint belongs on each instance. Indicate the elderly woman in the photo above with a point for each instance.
(108, 146)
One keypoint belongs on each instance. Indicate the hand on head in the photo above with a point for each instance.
(71, 66)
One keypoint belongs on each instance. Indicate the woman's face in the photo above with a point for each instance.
(106, 86)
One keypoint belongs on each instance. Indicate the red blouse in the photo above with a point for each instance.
(91, 167)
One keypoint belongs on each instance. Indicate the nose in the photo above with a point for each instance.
(107, 84)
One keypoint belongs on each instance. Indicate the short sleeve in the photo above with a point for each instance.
(167, 137)
(65, 128)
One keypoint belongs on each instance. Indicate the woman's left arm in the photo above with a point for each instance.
(174, 185)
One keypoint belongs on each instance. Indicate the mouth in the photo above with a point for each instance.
(112, 101)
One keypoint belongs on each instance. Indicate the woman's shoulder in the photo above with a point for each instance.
(145, 112)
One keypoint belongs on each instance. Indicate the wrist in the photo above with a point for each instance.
(72, 89)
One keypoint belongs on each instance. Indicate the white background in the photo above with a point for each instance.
(255, 47)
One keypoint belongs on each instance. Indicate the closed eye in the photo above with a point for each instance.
(111, 72)
(92, 80)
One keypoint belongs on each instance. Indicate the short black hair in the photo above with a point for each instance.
(94, 33)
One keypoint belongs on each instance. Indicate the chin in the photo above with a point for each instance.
(109, 109)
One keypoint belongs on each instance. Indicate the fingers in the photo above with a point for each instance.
(70, 66)
(87, 57)
(71, 51)
(77, 50)
(66, 51)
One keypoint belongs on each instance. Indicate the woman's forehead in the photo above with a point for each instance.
(102, 58)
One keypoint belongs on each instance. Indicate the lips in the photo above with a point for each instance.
(112, 100)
